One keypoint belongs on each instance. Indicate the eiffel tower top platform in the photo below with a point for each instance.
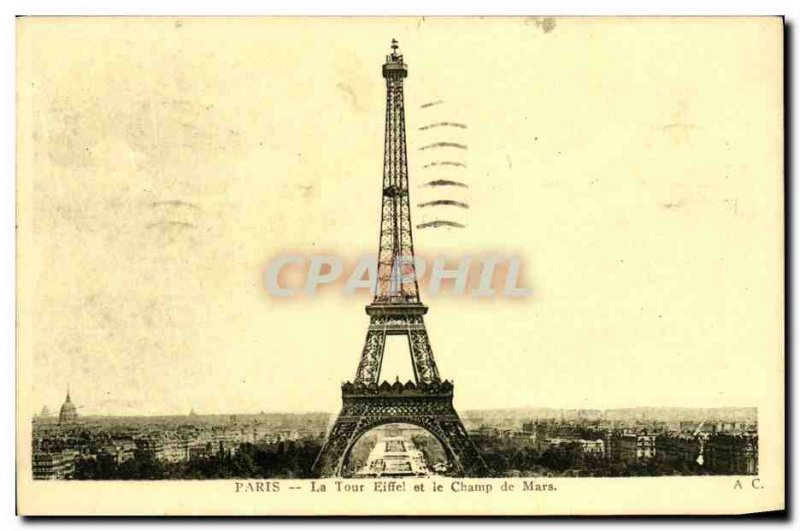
(394, 65)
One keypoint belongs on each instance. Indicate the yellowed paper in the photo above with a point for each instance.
(195, 197)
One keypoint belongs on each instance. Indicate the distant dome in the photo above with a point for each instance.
(68, 412)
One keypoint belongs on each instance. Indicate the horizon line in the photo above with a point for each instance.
(54, 414)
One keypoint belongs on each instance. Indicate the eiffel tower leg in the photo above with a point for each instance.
(421, 353)
(369, 368)
(342, 437)
(466, 459)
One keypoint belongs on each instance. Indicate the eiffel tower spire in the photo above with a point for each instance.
(396, 279)
(397, 310)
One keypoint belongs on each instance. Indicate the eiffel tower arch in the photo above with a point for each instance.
(426, 402)
(428, 406)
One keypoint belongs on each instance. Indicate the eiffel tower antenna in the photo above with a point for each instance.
(426, 402)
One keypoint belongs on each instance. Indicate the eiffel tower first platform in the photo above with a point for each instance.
(397, 310)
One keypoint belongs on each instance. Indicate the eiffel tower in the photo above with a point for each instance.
(396, 309)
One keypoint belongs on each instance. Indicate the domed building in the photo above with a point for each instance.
(69, 413)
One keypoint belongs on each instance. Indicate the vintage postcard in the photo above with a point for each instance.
(400, 266)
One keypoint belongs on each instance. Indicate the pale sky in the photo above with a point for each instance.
(634, 166)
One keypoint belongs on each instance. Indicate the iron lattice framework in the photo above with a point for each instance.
(397, 310)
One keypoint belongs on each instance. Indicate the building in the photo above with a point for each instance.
(589, 447)
(525, 437)
(54, 465)
(729, 427)
(629, 447)
(118, 451)
(731, 454)
(162, 448)
(550, 429)
(224, 445)
(679, 448)
(484, 431)
(691, 426)
(197, 449)
(68, 413)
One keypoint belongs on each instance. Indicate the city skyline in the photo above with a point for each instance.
(285, 445)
